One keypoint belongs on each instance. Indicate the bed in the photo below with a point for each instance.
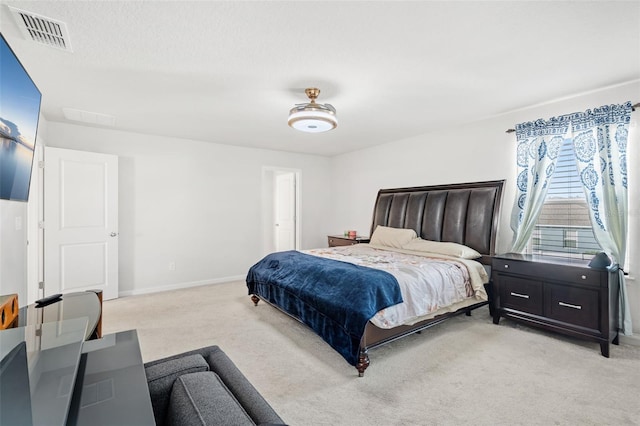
(341, 293)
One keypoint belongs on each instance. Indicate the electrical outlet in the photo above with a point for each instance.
(172, 266)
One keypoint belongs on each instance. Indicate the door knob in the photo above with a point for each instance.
(113, 234)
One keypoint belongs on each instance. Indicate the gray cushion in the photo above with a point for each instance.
(254, 404)
(160, 378)
(202, 399)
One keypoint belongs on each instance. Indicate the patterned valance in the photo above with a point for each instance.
(553, 126)
(604, 115)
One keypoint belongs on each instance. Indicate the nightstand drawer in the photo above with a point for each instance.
(521, 294)
(333, 242)
(573, 305)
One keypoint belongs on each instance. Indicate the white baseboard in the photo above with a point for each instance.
(630, 340)
(179, 286)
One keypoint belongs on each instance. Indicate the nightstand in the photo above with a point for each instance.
(557, 294)
(340, 240)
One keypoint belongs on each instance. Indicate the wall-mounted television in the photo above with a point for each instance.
(19, 115)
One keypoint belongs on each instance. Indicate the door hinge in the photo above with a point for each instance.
(41, 164)
(41, 285)
(41, 224)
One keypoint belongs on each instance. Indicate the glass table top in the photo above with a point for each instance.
(39, 361)
(71, 305)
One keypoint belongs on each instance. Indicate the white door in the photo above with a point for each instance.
(285, 210)
(80, 222)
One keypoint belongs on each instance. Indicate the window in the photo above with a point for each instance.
(564, 226)
(570, 238)
(536, 237)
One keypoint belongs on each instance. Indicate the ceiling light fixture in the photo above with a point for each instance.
(313, 117)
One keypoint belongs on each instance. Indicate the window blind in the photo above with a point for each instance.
(564, 226)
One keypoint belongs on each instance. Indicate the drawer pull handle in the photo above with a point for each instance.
(584, 277)
(569, 305)
(506, 266)
(524, 296)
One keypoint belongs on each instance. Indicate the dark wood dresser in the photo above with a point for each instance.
(557, 294)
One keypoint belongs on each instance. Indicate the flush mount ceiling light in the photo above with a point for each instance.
(313, 117)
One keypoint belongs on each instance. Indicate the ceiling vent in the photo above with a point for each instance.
(42, 30)
(89, 117)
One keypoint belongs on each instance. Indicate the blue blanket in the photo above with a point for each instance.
(335, 299)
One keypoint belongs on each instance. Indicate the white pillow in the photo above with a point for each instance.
(392, 237)
(450, 249)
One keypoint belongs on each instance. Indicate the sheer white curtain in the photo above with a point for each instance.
(539, 143)
(600, 144)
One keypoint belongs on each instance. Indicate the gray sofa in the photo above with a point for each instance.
(204, 387)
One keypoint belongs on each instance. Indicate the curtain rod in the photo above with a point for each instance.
(633, 108)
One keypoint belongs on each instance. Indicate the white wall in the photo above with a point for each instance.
(19, 237)
(13, 249)
(474, 152)
(193, 203)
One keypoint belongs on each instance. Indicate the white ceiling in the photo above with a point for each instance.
(229, 71)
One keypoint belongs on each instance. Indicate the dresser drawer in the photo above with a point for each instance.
(521, 294)
(500, 265)
(568, 274)
(573, 305)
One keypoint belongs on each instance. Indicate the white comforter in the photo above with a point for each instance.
(428, 282)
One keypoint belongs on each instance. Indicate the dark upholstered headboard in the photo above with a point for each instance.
(464, 213)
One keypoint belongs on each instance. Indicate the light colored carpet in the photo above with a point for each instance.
(464, 371)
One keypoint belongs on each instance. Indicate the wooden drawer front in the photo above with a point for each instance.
(333, 242)
(500, 265)
(581, 276)
(549, 271)
(521, 294)
(572, 305)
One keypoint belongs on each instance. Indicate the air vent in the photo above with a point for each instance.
(42, 30)
(89, 117)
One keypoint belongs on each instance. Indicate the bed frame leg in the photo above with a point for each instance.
(255, 299)
(363, 362)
